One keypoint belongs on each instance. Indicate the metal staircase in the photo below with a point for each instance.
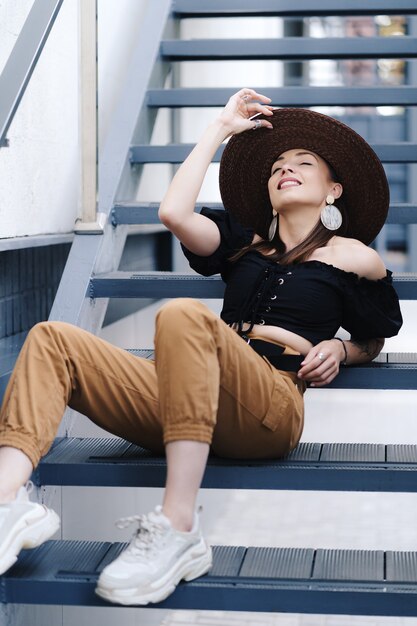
(252, 579)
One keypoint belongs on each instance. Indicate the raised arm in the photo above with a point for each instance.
(196, 232)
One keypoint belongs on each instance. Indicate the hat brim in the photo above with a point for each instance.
(248, 157)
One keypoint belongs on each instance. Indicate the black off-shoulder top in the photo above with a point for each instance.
(312, 299)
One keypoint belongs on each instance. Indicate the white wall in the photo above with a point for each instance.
(39, 171)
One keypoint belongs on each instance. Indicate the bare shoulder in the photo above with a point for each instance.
(352, 255)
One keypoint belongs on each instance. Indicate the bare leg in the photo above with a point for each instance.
(15, 470)
(186, 464)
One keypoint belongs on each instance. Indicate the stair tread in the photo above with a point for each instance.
(94, 461)
(147, 212)
(394, 152)
(285, 8)
(284, 48)
(242, 578)
(156, 284)
(405, 95)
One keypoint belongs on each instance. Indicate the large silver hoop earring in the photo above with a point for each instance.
(330, 216)
(273, 226)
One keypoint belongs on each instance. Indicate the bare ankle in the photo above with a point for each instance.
(7, 496)
(179, 520)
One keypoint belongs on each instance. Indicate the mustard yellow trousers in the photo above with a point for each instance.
(206, 384)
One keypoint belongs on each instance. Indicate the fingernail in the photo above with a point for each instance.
(312, 385)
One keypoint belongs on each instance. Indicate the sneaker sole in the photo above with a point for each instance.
(134, 596)
(29, 536)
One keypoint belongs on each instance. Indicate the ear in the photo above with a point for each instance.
(336, 190)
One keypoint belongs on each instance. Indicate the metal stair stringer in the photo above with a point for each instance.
(91, 254)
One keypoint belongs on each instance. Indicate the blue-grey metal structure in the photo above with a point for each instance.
(310, 467)
(288, 8)
(283, 49)
(399, 152)
(362, 582)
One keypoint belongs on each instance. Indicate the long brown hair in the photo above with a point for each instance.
(318, 237)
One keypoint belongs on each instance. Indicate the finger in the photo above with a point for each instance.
(257, 123)
(246, 91)
(318, 373)
(255, 108)
(311, 354)
(324, 380)
(317, 369)
(312, 361)
(323, 372)
(321, 383)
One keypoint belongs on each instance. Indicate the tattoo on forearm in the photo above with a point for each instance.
(369, 347)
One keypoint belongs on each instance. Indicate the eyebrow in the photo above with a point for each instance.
(298, 154)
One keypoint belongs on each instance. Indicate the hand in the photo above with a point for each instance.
(321, 365)
(236, 115)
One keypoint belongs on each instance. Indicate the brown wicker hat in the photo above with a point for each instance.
(248, 157)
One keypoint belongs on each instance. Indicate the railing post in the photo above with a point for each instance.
(90, 221)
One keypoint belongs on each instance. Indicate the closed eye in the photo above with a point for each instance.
(275, 170)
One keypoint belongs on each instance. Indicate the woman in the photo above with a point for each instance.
(296, 269)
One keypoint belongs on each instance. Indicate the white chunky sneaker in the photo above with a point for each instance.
(155, 561)
(23, 524)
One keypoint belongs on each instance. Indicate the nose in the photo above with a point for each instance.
(286, 168)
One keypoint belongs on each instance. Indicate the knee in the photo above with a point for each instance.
(182, 315)
(44, 330)
(180, 309)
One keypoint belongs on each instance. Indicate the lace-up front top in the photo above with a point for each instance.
(312, 299)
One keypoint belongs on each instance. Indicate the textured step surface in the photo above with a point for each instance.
(284, 48)
(174, 284)
(147, 213)
(246, 579)
(287, 96)
(311, 466)
(400, 152)
(285, 8)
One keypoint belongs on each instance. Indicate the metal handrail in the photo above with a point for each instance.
(23, 59)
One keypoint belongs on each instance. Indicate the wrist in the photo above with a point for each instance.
(343, 350)
(221, 129)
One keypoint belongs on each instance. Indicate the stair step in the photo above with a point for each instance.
(399, 152)
(287, 96)
(289, 8)
(147, 213)
(285, 48)
(294, 580)
(395, 371)
(173, 285)
(115, 462)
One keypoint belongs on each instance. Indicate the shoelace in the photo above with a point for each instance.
(146, 537)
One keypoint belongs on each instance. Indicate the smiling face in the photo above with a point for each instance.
(300, 177)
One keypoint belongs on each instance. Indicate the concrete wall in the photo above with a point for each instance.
(39, 171)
